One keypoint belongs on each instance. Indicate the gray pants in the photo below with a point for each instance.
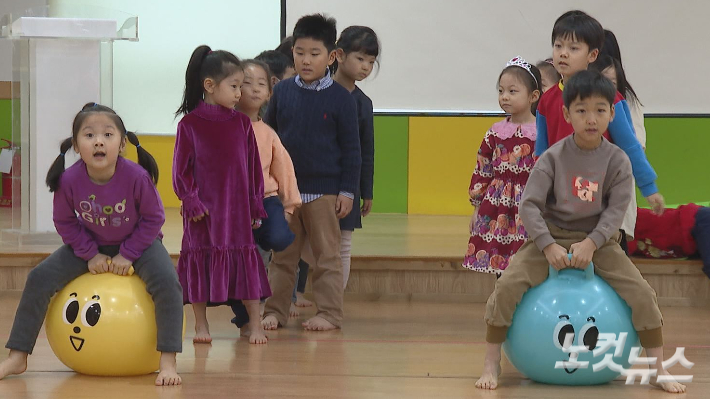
(154, 267)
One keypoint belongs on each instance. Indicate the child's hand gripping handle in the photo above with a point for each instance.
(588, 271)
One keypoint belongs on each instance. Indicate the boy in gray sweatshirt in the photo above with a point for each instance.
(574, 202)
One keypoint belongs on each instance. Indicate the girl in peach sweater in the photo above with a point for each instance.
(281, 196)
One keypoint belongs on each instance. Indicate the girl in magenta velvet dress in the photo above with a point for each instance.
(217, 176)
(505, 160)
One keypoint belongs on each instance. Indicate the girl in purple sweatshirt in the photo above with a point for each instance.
(109, 215)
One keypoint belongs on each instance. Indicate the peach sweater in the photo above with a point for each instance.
(279, 176)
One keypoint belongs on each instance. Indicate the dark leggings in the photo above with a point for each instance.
(154, 267)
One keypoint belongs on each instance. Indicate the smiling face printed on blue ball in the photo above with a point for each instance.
(563, 336)
(572, 309)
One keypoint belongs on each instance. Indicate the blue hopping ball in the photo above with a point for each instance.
(569, 301)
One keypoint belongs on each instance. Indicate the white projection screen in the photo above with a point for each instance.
(446, 55)
(149, 75)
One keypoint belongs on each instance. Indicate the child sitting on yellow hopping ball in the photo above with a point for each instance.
(118, 226)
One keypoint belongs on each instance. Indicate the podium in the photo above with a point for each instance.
(62, 58)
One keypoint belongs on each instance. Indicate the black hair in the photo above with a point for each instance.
(611, 49)
(585, 84)
(611, 46)
(547, 67)
(580, 26)
(261, 64)
(57, 169)
(623, 86)
(205, 63)
(526, 77)
(286, 48)
(317, 27)
(358, 38)
(277, 62)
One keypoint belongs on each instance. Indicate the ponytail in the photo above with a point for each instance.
(193, 84)
(144, 158)
(57, 168)
(205, 63)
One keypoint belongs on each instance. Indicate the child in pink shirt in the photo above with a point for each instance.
(280, 189)
(281, 195)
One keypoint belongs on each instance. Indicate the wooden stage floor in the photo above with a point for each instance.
(385, 350)
(421, 347)
(388, 235)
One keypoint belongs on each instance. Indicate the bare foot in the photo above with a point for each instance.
(491, 368)
(202, 334)
(301, 301)
(270, 323)
(259, 337)
(293, 311)
(261, 309)
(317, 323)
(168, 370)
(16, 363)
(488, 379)
(256, 333)
(668, 386)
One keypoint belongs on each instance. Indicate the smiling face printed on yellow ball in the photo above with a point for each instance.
(104, 324)
(78, 316)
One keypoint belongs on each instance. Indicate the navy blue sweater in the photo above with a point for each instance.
(367, 141)
(367, 146)
(319, 129)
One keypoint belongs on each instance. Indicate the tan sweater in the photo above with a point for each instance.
(577, 190)
(279, 176)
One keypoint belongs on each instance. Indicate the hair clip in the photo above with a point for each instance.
(520, 62)
(138, 146)
(61, 154)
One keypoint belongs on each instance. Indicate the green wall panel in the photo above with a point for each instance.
(391, 151)
(677, 149)
(5, 124)
(5, 120)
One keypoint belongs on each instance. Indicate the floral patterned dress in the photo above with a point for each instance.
(505, 160)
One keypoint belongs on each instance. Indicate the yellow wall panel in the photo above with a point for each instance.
(161, 148)
(442, 156)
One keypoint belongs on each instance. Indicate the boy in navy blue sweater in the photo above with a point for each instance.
(316, 120)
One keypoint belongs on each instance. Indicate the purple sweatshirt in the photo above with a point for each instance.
(126, 211)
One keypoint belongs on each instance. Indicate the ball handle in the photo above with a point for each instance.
(588, 271)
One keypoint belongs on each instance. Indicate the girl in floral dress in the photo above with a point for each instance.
(505, 160)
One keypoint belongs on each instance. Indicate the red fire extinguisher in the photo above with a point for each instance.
(6, 198)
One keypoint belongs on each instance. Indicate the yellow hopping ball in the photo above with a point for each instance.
(104, 324)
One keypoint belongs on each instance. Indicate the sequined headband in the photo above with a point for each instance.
(520, 62)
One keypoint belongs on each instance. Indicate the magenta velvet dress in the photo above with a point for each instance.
(216, 168)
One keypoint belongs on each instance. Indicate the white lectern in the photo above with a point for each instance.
(59, 64)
